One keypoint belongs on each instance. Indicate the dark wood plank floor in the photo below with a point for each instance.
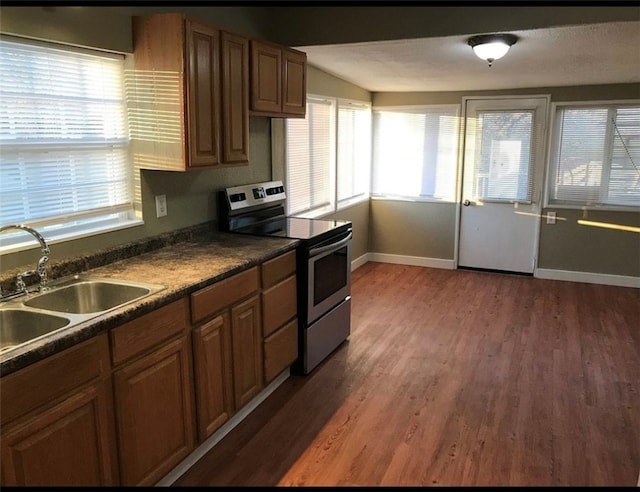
(455, 378)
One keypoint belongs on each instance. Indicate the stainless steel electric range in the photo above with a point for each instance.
(323, 264)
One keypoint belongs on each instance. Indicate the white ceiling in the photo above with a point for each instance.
(559, 56)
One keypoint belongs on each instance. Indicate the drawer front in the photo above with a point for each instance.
(211, 300)
(276, 269)
(144, 333)
(43, 381)
(280, 350)
(279, 305)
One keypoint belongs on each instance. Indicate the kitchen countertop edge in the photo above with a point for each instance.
(219, 255)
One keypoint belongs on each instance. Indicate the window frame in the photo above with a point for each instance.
(416, 108)
(361, 197)
(330, 206)
(554, 147)
(334, 204)
(65, 226)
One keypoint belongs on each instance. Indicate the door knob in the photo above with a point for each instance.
(466, 203)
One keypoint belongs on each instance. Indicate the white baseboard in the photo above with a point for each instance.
(587, 277)
(217, 436)
(358, 262)
(412, 260)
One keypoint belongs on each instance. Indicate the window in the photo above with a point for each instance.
(354, 152)
(65, 165)
(502, 170)
(310, 157)
(415, 152)
(327, 156)
(596, 156)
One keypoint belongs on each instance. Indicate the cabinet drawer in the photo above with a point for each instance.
(279, 305)
(144, 333)
(280, 350)
(212, 299)
(54, 376)
(273, 271)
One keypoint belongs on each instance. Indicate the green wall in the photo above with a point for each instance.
(424, 229)
(568, 245)
(413, 228)
(563, 246)
(191, 195)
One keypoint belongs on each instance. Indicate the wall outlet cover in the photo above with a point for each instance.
(551, 217)
(161, 205)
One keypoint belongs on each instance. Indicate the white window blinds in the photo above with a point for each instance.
(354, 151)
(63, 136)
(503, 170)
(597, 156)
(310, 158)
(415, 152)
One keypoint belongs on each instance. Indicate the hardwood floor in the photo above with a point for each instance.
(454, 378)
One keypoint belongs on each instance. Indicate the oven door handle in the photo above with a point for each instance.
(330, 247)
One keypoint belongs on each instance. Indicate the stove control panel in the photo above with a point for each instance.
(240, 197)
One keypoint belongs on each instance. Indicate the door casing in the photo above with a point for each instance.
(539, 176)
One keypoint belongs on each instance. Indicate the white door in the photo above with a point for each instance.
(502, 179)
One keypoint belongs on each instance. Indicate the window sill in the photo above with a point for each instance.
(592, 208)
(31, 243)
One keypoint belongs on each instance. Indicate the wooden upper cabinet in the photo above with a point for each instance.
(203, 51)
(235, 98)
(188, 94)
(278, 80)
(294, 93)
(266, 77)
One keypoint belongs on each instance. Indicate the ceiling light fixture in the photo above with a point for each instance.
(491, 47)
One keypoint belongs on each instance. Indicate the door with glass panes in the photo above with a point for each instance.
(501, 186)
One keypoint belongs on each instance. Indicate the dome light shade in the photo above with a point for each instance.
(491, 47)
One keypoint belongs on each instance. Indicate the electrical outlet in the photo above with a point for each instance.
(551, 217)
(161, 205)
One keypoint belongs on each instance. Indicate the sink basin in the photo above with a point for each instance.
(88, 296)
(18, 326)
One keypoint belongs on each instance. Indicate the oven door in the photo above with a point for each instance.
(329, 281)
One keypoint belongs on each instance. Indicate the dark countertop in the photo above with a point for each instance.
(182, 268)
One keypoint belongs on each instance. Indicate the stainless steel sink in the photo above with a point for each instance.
(20, 325)
(89, 296)
(69, 301)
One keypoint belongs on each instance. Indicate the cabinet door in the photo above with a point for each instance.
(279, 305)
(213, 374)
(235, 96)
(246, 337)
(266, 77)
(280, 350)
(154, 413)
(69, 444)
(203, 90)
(294, 99)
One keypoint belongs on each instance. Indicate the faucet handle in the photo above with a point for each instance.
(20, 285)
(42, 272)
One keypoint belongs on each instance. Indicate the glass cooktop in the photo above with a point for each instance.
(296, 227)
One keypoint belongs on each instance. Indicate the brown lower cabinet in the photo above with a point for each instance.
(279, 309)
(118, 409)
(153, 412)
(153, 394)
(57, 420)
(227, 346)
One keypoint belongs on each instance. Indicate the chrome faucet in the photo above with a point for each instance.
(41, 269)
